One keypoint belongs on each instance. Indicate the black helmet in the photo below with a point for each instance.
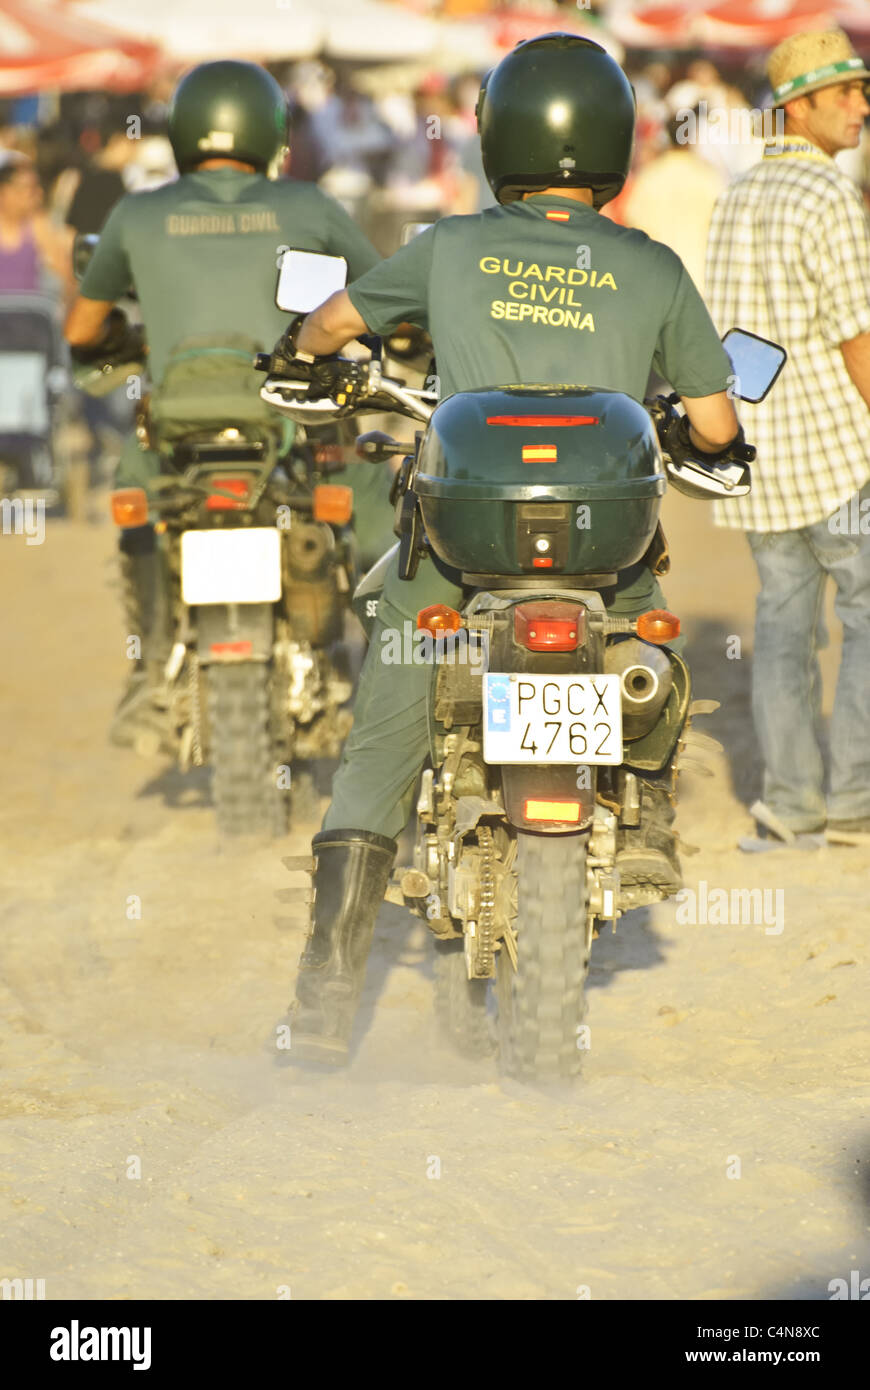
(229, 108)
(557, 111)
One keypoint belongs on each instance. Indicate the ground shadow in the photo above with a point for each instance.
(728, 679)
(635, 945)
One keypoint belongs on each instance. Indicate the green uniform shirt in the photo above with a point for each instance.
(203, 254)
(550, 292)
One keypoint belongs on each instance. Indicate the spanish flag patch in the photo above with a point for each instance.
(558, 216)
(540, 453)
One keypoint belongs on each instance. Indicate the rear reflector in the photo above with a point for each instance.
(553, 810)
(549, 627)
(130, 507)
(658, 626)
(542, 421)
(543, 562)
(228, 650)
(333, 502)
(438, 619)
(239, 487)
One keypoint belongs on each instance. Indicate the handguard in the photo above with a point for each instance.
(695, 472)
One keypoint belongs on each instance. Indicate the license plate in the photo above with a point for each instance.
(552, 719)
(233, 566)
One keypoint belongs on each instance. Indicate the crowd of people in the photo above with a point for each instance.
(392, 150)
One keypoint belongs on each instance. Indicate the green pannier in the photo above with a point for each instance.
(210, 384)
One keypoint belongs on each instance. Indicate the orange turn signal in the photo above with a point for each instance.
(658, 626)
(130, 507)
(333, 502)
(439, 619)
(553, 810)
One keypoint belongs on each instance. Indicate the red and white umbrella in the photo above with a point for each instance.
(741, 24)
(655, 25)
(48, 47)
(760, 23)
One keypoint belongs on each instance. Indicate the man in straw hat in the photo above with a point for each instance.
(789, 258)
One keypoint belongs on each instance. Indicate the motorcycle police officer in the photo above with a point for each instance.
(539, 289)
(202, 253)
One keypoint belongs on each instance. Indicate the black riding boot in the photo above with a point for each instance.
(351, 874)
(136, 722)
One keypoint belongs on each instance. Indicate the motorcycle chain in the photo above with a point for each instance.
(485, 942)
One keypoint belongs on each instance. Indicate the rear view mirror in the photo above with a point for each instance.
(306, 278)
(757, 363)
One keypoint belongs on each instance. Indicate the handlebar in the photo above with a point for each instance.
(289, 389)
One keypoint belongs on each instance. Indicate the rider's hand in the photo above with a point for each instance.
(340, 378)
(407, 342)
(120, 341)
(676, 440)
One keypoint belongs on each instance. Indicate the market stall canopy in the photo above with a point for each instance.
(264, 30)
(363, 31)
(47, 46)
(197, 30)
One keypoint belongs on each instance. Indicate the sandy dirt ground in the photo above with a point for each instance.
(154, 1145)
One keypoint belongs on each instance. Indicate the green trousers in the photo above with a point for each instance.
(374, 786)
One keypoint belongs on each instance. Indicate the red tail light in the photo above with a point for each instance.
(542, 421)
(550, 627)
(229, 651)
(239, 487)
(552, 810)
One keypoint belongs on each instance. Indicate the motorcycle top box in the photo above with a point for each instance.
(539, 481)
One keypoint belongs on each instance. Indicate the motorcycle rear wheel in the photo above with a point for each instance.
(247, 798)
(541, 1003)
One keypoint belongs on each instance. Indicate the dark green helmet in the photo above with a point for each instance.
(557, 111)
(230, 109)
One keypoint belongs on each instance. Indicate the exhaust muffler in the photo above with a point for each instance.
(646, 678)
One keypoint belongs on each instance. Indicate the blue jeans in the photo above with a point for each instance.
(793, 567)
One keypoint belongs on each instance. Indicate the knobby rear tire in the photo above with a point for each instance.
(247, 798)
(542, 1003)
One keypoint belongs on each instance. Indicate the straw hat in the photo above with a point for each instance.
(807, 62)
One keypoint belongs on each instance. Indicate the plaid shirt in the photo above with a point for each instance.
(789, 258)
